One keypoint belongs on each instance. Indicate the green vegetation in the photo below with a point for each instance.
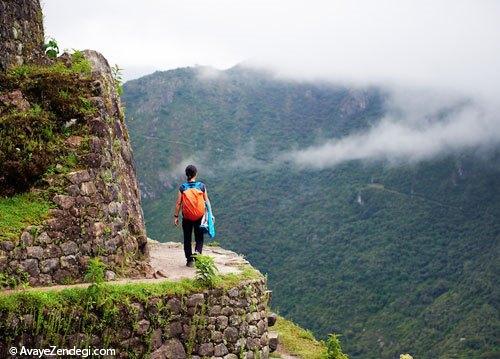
(80, 64)
(51, 48)
(298, 341)
(52, 102)
(394, 258)
(95, 271)
(65, 299)
(19, 211)
(206, 271)
(333, 349)
(59, 312)
(20, 279)
(116, 71)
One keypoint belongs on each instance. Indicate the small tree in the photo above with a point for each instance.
(333, 348)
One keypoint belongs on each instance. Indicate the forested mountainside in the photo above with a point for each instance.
(395, 258)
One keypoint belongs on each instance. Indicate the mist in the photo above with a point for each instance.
(397, 142)
(415, 129)
(422, 52)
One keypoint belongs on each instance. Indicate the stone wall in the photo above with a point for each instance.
(21, 32)
(98, 211)
(216, 323)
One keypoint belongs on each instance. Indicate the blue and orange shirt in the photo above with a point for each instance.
(193, 201)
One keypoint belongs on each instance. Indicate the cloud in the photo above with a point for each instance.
(449, 43)
(410, 133)
(209, 73)
(413, 48)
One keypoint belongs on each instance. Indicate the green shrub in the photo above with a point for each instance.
(206, 271)
(14, 279)
(80, 64)
(116, 71)
(95, 271)
(51, 48)
(333, 348)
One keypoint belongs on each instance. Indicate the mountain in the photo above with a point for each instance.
(394, 258)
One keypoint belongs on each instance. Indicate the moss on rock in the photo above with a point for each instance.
(19, 211)
(40, 107)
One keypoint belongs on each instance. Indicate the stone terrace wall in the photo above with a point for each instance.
(21, 32)
(100, 213)
(217, 323)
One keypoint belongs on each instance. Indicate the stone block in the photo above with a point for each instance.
(196, 300)
(35, 252)
(271, 319)
(175, 329)
(7, 245)
(273, 341)
(110, 275)
(231, 334)
(206, 349)
(49, 265)
(69, 262)
(222, 322)
(79, 176)
(44, 238)
(30, 266)
(142, 326)
(26, 239)
(63, 201)
(220, 350)
(52, 251)
(156, 340)
(172, 349)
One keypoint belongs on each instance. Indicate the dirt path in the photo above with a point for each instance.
(168, 258)
(168, 261)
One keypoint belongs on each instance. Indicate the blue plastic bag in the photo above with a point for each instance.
(207, 222)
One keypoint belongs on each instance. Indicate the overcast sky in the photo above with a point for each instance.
(434, 51)
(451, 44)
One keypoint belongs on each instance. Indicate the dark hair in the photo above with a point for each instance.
(191, 171)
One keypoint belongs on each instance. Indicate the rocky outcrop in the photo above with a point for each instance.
(98, 211)
(21, 32)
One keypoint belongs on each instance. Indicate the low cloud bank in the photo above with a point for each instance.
(411, 132)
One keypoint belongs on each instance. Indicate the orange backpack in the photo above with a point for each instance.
(193, 201)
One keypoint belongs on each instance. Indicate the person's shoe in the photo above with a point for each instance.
(196, 253)
(190, 264)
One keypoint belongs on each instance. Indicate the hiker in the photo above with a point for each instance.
(192, 198)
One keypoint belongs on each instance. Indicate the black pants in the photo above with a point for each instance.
(187, 228)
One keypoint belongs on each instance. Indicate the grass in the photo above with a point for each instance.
(79, 65)
(298, 341)
(116, 292)
(19, 211)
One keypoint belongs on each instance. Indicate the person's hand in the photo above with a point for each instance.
(176, 221)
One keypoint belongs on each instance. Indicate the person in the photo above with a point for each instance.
(192, 199)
